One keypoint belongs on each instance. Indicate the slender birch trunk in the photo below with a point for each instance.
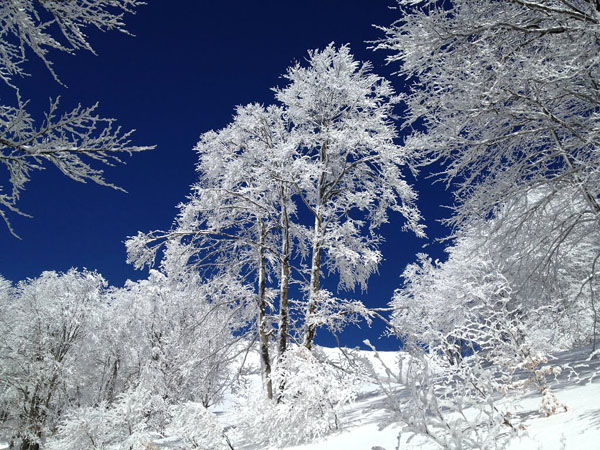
(317, 249)
(262, 313)
(285, 275)
(313, 300)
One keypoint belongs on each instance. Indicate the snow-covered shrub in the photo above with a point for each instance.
(550, 404)
(139, 420)
(131, 422)
(84, 428)
(311, 395)
(196, 428)
(456, 406)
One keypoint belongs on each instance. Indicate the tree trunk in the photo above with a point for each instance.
(285, 276)
(315, 270)
(313, 301)
(284, 287)
(262, 314)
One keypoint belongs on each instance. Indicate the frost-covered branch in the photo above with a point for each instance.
(43, 26)
(520, 113)
(72, 142)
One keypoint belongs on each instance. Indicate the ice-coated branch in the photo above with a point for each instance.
(41, 26)
(74, 142)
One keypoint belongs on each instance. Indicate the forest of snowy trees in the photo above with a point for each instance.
(497, 100)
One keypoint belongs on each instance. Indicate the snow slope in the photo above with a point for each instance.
(578, 428)
(576, 385)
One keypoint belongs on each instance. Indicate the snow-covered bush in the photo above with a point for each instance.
(140, 420)
(131, 422)
(456, 406)
(312, 393)
(196, 427)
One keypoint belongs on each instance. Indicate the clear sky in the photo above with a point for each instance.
(190, 63)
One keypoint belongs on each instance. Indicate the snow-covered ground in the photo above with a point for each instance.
(576, 384)
(578, 428)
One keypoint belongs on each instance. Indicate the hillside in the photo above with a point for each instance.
(577, 387)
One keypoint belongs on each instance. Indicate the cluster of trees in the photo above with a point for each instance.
(89, 366)
(292, 191)
(504, 100)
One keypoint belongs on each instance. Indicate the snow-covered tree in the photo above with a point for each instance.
(74, 141)
(504, 95)
(237, 219)
(351, 168)
(46, 337)
(310, 179)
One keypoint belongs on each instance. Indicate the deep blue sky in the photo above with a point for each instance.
(190, 63)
